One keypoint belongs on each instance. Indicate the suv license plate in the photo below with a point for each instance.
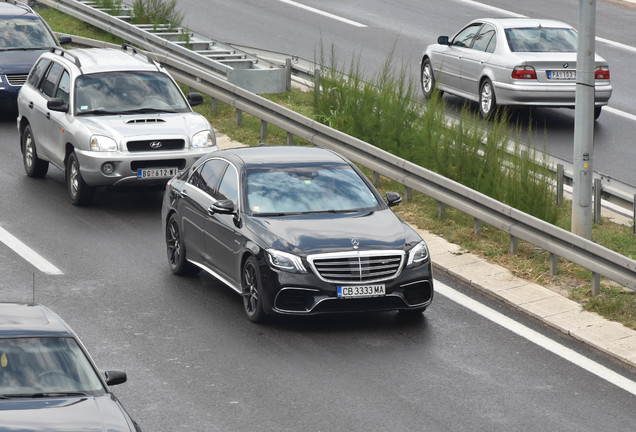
(357, 291)
(561, 74)
(155, 173)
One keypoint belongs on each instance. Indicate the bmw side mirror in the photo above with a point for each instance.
(222, 207)
(57, 104)
(393, 199)
(195, 99)
(114, 377)
(443, 40)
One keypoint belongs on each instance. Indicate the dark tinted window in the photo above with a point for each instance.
(207, 176)
(228, 189)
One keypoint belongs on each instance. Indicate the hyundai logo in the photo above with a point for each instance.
(355, 242)
(156, 144)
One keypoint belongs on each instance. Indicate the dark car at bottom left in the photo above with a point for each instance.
(48, 381)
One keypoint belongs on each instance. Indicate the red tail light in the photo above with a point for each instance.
(524, 72)
(602, 73)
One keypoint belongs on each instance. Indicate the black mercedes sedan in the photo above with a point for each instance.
(296, 231)
(48, 381)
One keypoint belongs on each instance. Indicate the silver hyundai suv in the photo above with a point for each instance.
(108, 117)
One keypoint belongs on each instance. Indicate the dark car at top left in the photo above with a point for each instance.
(48, 381)
(24, 35)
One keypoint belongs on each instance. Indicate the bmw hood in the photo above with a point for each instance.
(85, 414)
(18, 61)
(139, 126)
(321, 233)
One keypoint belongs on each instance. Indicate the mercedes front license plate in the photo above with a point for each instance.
(357, 291)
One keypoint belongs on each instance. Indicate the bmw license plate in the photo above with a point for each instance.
(357, 291)
(156, 173)
(562, 74)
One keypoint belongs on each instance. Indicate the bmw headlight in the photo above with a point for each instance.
(203, 139)
(102, 143)
(285, 261)
(417, 254)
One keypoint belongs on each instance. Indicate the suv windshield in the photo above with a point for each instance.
(37, 366)
(127, 92)
(307, 189)
(24, 33)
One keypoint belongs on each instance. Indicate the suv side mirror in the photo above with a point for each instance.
(65, 40)
(57, 104)
(195, 99)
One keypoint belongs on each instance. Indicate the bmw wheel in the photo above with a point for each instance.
(427, 78)
(487, 99)
(80, 193)
(176, 250)
(252, 291)
(33, 165)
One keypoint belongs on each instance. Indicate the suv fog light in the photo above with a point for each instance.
(108, 168)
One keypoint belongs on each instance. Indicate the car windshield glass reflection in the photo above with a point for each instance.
(127, 92)
(24, 33)
(39, 367)
(541, 39)
(298, 190)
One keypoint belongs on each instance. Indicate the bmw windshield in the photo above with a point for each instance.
(275, 190)
(127, 92)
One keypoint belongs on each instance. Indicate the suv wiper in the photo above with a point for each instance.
(147, 110)
(42, 395)
(98, 112)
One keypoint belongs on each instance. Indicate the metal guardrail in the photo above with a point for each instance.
(519, 225)
(237, 67)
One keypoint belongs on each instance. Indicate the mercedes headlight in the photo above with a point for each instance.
(285, 261)
(417, 254)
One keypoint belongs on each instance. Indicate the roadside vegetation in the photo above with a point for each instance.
(386, 112)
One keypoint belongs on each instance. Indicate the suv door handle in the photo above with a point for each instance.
(48, 116)
(31, 104)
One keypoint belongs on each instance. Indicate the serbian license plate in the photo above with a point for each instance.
(562, 74)
(156, 173)
(357, 291)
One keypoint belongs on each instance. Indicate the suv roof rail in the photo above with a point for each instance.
(65, 53)
(125, 47)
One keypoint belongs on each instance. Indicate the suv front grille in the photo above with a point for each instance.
(17, 80)
(156, 145)
(357, 267)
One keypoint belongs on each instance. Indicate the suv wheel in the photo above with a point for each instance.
(81, 194)
(33, 165)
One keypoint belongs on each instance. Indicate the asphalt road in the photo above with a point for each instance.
(195, 363)
(375, 30)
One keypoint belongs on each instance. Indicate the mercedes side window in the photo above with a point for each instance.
(228, 189)
(207, 176)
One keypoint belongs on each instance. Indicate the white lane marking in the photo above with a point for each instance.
(537, 338)
(620, 113)
(492, 8)
(327, 14)
(28, 254)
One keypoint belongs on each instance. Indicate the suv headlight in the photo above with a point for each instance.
(285, 261)
(102, 143)
(417, 254)
(203, 139)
